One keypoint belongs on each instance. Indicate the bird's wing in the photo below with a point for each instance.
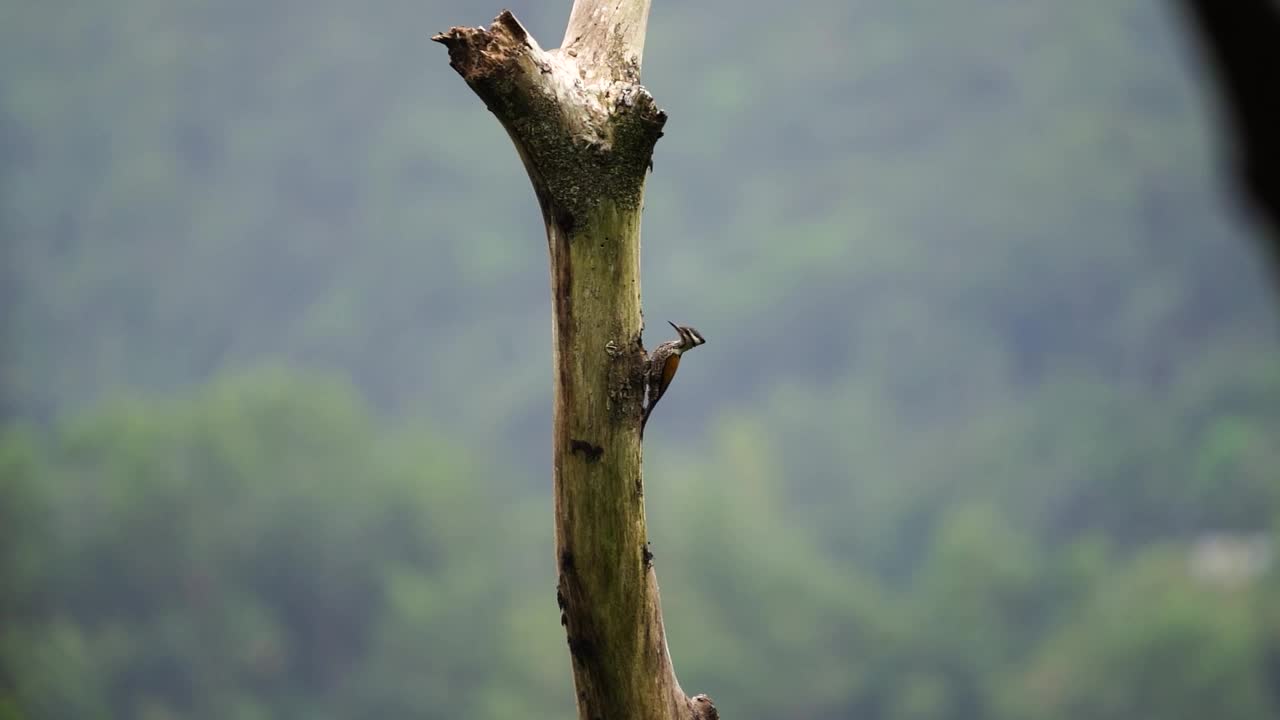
(668, 372)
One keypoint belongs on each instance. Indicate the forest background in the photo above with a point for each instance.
(986, 425)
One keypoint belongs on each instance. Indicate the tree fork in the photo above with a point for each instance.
(585, 129)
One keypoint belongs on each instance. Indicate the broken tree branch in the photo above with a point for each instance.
(585, 129)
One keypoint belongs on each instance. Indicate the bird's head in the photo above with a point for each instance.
(689, 337)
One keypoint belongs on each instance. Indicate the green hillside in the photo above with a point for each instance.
(986, 426)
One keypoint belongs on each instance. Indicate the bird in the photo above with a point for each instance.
(663, 363)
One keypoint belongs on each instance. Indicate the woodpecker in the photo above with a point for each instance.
(663, 362)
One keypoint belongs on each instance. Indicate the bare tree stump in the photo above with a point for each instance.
(585, 129)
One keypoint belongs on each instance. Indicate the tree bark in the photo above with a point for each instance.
(585, 129)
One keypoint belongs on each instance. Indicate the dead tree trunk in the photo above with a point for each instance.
(585, 129)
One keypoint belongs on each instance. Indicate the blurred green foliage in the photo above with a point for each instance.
(991, 365)
(253, 550)
(264, 548)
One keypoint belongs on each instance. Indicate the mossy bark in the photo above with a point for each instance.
(585, 129)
